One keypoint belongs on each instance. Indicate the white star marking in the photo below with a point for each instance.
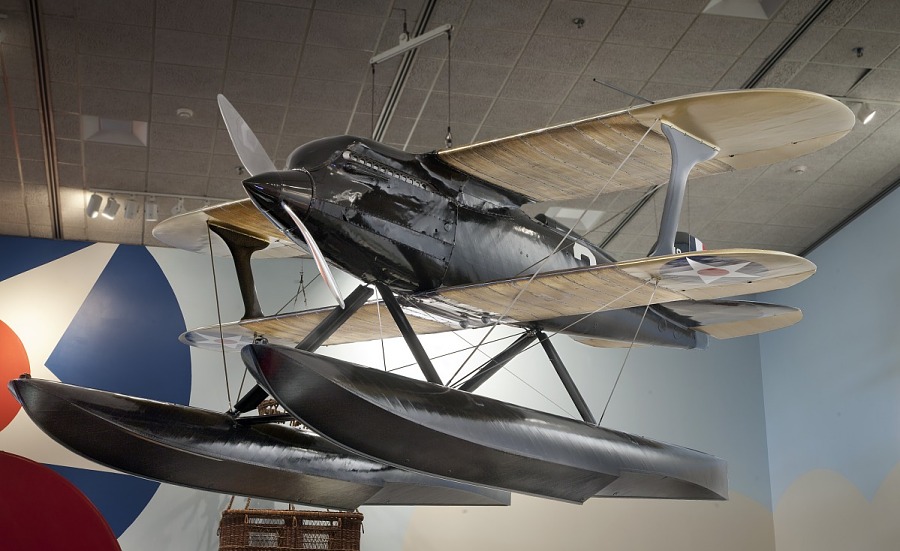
(39, 305)
(708, 274)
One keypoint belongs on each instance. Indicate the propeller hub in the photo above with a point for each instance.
(270, 189)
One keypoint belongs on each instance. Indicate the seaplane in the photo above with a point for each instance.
(447, 241)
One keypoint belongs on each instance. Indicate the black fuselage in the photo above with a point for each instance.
(416, 224)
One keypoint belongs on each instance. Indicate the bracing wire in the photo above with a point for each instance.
(559, 245)
(212, 260)
(628, 353)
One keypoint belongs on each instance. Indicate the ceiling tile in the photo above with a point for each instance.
(115, 40)
(175, 184)
(64, 98)
(316, 122)
(263, 56)
(51, 7)
(772, 190)
(810, 42)
(840, 49)
(181, 137)
(839, 13)
(115, 156)
(463, 108)
(740, 72)
(180, 80)
(129, 12)
(267, 89)
(68, 151)
(33, 171)
(832, 80)
(115, 104)
(809, 216)
(70, 175)
(63, 66)
(21, 94)
(781, 74)
(533, 85)
(693, 68)
(356, 32)
(753, 212)
(202, 16)
(492, 48)
(830, 195)
(105, 177)
(335, 64)
(601, 98)
(520, 16)
(625, 61)
(165, 109)
(650, 27)
(877, 15)
(879, 84)
(664, 90)
(559, 19)
(723, 35)
(108, 72)
(190, 48)
(564, 55)
(525, 115)
(328, 94)
(378, 8)
(429, 136)
(688, 6)
(769, 39)
(17, 28)
(19, 61)
(279, 23)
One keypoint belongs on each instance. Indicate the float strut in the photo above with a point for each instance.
(242, 247)
(412, 341)
(686, 152)
(494, 365)
(566, 379)
(313, 340)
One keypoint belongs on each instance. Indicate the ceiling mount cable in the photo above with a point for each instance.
(399, 83)
(751, 82)
(48, 132)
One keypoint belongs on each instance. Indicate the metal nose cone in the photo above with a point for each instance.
(269, 189)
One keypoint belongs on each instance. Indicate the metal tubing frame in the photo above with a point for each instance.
(313, 340)
(568, 383)
(412, 340)
(492, 366)
(687, 151)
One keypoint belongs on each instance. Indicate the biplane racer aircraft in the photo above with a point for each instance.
(446, 241)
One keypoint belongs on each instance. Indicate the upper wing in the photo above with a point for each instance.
(188, 231)
(750, 128)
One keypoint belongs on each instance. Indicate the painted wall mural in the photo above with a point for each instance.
(108, 316)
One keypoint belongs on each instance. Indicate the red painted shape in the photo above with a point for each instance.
(13, 362)
(42, 510)
(713, 272)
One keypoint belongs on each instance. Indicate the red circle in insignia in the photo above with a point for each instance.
(712, 272)
(13, 362)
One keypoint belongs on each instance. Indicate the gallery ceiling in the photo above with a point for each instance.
(76, 71)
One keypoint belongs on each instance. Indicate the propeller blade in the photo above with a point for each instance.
(249, 150)
(317, 255)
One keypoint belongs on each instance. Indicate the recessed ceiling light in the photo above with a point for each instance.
(184, 113)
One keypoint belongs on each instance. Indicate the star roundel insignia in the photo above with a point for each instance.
(709, 269)
(233, 341)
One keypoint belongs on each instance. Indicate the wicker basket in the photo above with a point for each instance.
(264, 529)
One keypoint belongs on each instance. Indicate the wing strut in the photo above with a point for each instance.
(566, 379)
(313, 340)
(686, 152)
(494, 365)
(412, 341)
(242, 246)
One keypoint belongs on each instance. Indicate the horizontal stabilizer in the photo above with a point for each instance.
(453, 434)
(206, 450)
(726, 319)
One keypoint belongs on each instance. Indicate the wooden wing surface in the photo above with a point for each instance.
(577, 159)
